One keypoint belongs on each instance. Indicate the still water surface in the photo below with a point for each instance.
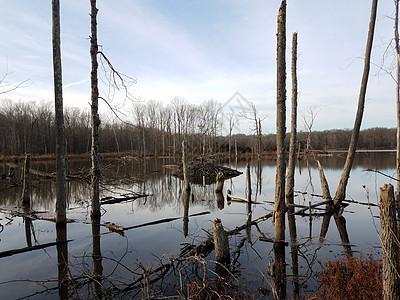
(106, 264)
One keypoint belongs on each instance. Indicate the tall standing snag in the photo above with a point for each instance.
(341, 190)
(61, 216)
(95, 119)
(279, 206)
(185, 166)
(293, 126)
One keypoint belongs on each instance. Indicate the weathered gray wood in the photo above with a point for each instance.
(390, 251)
(26, 195)
(185, 166)
(95, 119)
(293, 126)
(219, 182)
(279, 207)
(341, 190)
(221, 243)
(61, 193)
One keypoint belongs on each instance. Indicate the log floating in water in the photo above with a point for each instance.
(31, 216)
(27, 249)
(113, 200)
(230, 197)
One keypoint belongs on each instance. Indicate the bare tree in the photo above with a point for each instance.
(341, 190)
(61, 216)
(308, 121)
(279, 206)
(95, 119)
(292, 145)
(397, 44)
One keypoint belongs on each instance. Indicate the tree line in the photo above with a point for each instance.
(156, 129)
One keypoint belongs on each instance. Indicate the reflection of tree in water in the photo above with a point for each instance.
(119, 272)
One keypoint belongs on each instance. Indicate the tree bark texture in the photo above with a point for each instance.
(61, 193)
(293, 126)
(185, 167)
(221, 242)
(279, 206)
(219, 182)
(397, 43)
(341, 190)
(26, 194)
(390, 251)
(95, 119)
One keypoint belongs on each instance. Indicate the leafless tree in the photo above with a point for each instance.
(279, 206)
(341, 190)
(61, 203)
(95, 119)
(309, 117)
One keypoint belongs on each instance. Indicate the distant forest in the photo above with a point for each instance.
(156, 130)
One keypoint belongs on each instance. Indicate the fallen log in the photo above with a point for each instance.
(27, 249)
(312, 206)
(31, 215)
(230, 197)
(113, 200)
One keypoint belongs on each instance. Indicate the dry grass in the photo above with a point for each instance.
(351, 278)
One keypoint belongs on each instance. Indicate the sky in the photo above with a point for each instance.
(207, 49)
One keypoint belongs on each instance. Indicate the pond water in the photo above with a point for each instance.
(146, 260)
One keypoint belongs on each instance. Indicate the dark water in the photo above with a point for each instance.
(102, 264)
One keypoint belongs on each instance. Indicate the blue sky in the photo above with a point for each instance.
(207, 49)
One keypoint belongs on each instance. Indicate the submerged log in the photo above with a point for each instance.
(27, 249)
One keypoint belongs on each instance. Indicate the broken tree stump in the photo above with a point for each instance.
(390, 251)
(219, 183)
(221, 243)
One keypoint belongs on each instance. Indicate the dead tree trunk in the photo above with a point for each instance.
(293, 127)
(59, 115)
(26, 193)
(390, 251)
(185, 166)
(219, 182)
(396, 38)
(279, 206)
(95, 119)
(221, 243)
(341, 190)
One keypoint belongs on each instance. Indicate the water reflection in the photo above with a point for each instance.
(62, 261)
(97, 258)
(146, 245)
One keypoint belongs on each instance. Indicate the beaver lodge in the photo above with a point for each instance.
(209, 170)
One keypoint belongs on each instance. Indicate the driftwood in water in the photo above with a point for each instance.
(311, 206)
(230, 197)
(116, 228)
(27, 249)
(31, 215)
(45, 175)
(209, 170)
(113, 200)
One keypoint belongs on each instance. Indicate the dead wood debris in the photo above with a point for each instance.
(207, 169)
